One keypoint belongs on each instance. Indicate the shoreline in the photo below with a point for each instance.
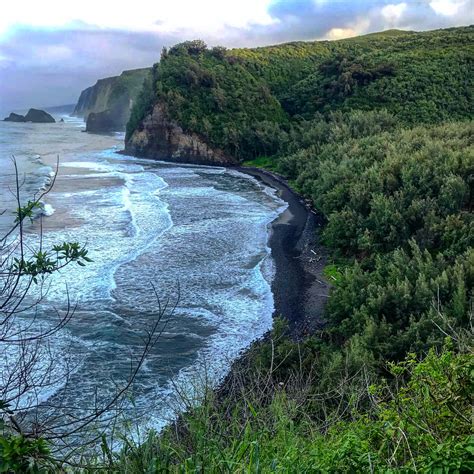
(299, 287)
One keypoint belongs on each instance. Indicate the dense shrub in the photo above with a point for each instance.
(419, 422)
(240, 98)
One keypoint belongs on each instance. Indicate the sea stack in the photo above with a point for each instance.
(39, 116)
(14, 118)
(33, 115)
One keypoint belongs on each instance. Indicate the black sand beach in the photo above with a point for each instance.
(299, 288)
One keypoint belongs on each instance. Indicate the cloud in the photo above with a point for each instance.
(358, 27)
(52, 49)
(393, 12)
(448, 7)
(140, 15)
(40, 67)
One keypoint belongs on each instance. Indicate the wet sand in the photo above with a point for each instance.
(299, 288)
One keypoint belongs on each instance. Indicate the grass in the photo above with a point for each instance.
(418, 423)
(263, 162)
(332, 273)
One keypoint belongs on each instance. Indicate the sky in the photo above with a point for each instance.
(50, 50)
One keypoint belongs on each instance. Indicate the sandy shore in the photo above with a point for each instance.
(299, 288)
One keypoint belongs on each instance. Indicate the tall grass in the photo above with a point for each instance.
(417, 420)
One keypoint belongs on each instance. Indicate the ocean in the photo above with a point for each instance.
(196, 232)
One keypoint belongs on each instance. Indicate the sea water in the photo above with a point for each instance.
(191, 236)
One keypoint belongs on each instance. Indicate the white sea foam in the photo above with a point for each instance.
(159, 223)
(134, 205)
(47, 210)
(251, 309)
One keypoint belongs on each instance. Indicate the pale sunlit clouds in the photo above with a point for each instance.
(52, 49)
(450, 7)
(168, 16)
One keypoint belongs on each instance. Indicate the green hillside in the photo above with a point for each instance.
(248, 101)
(376, 131)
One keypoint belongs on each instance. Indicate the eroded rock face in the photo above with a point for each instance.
(110, 100)
(94, 98)
(109, 120)
(39, 116)
(162, 139)
(102, 122)
(14, 118)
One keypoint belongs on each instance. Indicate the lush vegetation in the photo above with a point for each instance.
(376, 131)
(420, 421)
(398, 205)
(249, 101)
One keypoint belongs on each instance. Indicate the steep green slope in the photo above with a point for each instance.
(246, 101)
(212, 95)
(420, 77)
(420, 423)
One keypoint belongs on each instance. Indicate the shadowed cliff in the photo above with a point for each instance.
(106, 105)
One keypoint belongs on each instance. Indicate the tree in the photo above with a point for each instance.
(32, 433)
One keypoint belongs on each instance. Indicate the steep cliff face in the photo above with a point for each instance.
(95, 98)
(110, 100)
(163, 139)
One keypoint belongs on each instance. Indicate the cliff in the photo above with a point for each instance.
(110, 100)
(160, 138)
(249, 103)
(94, 98)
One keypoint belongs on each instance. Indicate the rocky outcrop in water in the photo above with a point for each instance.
(162, 139)
(110, 100)
(14, 118)
(39, 116)
(112, 119)
(33, 115)
(105, 121)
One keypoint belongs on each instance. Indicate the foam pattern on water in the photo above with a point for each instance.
(145, 223)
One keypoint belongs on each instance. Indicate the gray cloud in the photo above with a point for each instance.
(40, 67)
(51, 68)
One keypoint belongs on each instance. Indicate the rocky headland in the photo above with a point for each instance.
(160, 138)
(106, 105)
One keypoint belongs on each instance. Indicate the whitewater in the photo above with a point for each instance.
(196, 235)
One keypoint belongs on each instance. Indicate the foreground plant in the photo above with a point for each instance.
(35, 437)
(419, 419)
